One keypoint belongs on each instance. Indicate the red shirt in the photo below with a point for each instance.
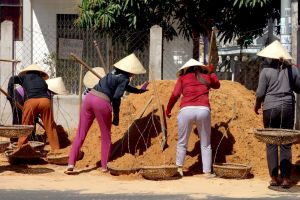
(194, 92)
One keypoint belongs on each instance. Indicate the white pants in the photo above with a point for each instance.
(186, 117)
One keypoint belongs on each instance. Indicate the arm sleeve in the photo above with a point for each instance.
(175, 95)
(215, 83)
(116, 100)
(296, 77)
(131, 89)
(12, 81)
(261, 89)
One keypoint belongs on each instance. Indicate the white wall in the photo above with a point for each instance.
(44, 25)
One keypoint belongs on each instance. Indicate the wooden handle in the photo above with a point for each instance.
(84, 64)
(6, 94)
(210, 47)
(100, 56)
(9, 60)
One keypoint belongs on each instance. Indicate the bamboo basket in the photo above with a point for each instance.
(117, 171)
(58, 158)
(277, 136)
(231, 170)
(10, 131)
(3, 145)
(26, 153)
(158, 172)
(36, 145)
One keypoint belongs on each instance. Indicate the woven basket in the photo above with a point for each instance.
(117, 171)
(277, 136)
(232, 170)
(25, 154)
(36, 145)
(58, 158)
(3, 145)
(158, 172)
(15, 130)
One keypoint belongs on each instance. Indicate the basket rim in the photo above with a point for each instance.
(57, 156)
(160, 167)
(122, 169)
(258, 130)
(232, 165)
(4, 142)
(17, 126)
(8, 154)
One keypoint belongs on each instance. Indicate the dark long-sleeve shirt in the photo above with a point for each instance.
(274, 87)
(34, 85)
(114, 84)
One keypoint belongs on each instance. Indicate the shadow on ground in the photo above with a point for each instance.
(77, 195)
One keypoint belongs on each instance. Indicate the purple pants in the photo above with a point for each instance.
(93, 107)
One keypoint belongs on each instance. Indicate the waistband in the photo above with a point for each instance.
(100, 94)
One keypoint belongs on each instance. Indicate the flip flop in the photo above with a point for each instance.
(69, 171)
(285, 185)
(274, 183)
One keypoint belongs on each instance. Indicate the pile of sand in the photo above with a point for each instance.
(233, 121)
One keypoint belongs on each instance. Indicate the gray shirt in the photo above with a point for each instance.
(274, 87)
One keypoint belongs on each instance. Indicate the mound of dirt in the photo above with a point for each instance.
(233, 121)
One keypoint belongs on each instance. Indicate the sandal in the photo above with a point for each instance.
(285, 183)
(69, 170)
(274, 181)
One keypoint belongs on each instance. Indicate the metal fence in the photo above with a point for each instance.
(42, 45)
(44, 42)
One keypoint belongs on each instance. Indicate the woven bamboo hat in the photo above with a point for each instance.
(275, 50)
(34, 67)
(90, 80)
(131, 64)
(192, 62)
(57, 86)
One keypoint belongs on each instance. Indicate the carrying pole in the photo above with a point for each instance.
(84, 64)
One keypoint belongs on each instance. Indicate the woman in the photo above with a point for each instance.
(99, 103)
(37, 101)
(193, 84)
(277, 82)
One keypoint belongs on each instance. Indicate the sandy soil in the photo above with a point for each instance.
(233, 121)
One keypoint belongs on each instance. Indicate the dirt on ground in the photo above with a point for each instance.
(137, 142)
(138, 138)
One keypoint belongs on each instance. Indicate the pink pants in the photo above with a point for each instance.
(93, 107)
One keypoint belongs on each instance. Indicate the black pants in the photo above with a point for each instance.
(282, 117)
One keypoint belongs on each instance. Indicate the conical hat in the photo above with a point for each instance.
(190, 63)
(34, 67)
(131, 64)
(275, 50)
(90, 80)
(57, 86)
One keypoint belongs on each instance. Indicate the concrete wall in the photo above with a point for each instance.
(66, 110)
(6, 68)
(44, 25)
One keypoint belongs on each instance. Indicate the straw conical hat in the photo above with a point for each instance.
(131, 64)
(57, 85)
(90, 80)
(34, 67)
(190, 63)
(275, 50)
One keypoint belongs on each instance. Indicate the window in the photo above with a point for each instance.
(13, 10)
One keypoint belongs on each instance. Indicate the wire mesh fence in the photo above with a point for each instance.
(45, 46)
